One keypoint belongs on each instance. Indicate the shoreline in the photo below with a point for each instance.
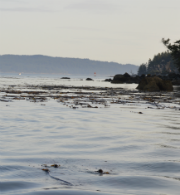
(89, 96)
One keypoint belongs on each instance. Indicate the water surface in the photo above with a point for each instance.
(140, 151)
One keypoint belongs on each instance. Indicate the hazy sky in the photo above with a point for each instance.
(124, 31)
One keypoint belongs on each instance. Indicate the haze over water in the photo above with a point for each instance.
(140, 151)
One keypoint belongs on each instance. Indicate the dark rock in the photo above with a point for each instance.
(164, 77)
(136, 79)
(126, 78)
(89, 79)
(126, 75)
(173, 75)
(100, 171)
(176, 82)
(143, 76)
(155, 84)
(65, 78)
(167, 86)
(108, 80)
(119, 78)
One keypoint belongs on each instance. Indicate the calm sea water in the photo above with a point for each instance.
(141, 152)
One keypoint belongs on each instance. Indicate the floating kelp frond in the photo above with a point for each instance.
(102, 172)
(55, 166)
(46, 170)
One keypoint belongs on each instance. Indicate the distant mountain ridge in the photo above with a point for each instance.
(59, 65)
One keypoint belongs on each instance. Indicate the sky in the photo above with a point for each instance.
(123, 31)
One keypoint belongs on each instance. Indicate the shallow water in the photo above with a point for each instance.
(140, 151)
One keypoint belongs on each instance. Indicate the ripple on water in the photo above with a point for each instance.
(141, 152)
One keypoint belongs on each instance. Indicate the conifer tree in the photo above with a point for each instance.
(175, 51)
(142, 69)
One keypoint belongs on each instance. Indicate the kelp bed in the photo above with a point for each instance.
(89, 97)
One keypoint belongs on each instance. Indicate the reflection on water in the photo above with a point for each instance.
(140, 151)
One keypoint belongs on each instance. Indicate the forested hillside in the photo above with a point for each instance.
(162, 63)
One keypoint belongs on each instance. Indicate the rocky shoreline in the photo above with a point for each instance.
(149, 82)
(126, 78)
(75, 97)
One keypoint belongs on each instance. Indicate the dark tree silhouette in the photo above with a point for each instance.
(142, 69)
(175, 51)
(162, 63)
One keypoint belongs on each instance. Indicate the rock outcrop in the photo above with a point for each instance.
(165, 85)
(176, 82)
(65, 78)
(89, 79)
(125, 78)
(173, 77)
(108, 80)
(155, 84)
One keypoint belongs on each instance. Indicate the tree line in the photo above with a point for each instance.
(165, 62)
